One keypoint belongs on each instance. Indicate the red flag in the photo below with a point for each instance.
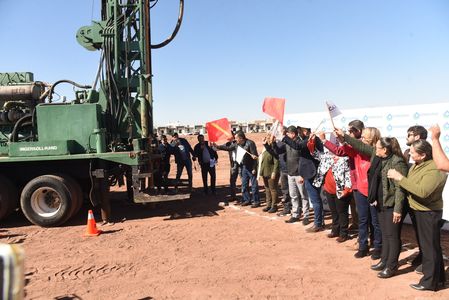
(274, 107)
(218, 129)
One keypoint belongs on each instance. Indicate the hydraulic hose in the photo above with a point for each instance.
(175, 31)
(20, 123)
(49, 92)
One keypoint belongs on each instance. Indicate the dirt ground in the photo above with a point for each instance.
(199, 249)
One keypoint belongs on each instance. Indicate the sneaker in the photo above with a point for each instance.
(267, 208)
(255, 205)
(305, 221)
(361, 253)
(292, 220)
(314, 229)
(246, 203)
(376, 254)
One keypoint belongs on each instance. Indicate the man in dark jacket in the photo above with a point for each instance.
(234, 168)
(166, 150)
(307, 171)
(296, 186)
(207, 158)
(182, 151)
(248, 167)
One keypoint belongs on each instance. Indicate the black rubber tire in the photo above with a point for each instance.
(76, 194)
(9, 197)
(46, 185)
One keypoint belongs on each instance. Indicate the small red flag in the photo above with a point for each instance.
(218, 130)
(274, 107)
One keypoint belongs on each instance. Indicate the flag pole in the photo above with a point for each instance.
(322, 121)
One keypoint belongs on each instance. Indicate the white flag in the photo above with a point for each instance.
(276, 130)
(240, 154)
(333, 109)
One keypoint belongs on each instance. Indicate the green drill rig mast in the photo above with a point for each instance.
(55, 155)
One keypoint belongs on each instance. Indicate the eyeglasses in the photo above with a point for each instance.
(410, 134)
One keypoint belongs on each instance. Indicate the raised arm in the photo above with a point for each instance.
(359, 145)
(279, 149)
(439, 157)
(297, 145)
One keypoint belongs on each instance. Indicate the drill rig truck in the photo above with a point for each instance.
(54, 155)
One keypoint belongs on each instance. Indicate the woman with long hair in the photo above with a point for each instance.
(385, 196)
(367, 214)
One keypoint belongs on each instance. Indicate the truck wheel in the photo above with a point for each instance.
(75, 192)
(46, 201)
(9, 197)
(78, 194)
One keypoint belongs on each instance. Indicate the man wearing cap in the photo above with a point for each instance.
(295, 181)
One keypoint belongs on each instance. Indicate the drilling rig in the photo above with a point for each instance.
(55, 155)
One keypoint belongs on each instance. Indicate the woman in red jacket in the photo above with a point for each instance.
(366, 212)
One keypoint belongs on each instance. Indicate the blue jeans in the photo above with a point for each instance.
(365, 211)
(248, 177)
(317, 203)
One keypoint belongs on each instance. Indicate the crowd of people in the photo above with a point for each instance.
(357, 169)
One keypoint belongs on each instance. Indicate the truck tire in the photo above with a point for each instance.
(76, 194)
(46, 201)
(9, 197)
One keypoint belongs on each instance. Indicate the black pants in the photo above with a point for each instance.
(407, 210)
(339, 211)
(428, 224)
(391, 237)
(161, 177)
(205, 169)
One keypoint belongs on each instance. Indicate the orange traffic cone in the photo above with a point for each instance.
(91, 229)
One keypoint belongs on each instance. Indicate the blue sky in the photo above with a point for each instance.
(229, 55)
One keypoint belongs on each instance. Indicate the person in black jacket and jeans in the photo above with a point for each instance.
(296, 187)
(182, 151)
(307, 171)
(233, 171)
(248, 168)
(207, 158)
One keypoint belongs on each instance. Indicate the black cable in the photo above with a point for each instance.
(52, 87)
(20, 123)
(175, 31)
(155, 2)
